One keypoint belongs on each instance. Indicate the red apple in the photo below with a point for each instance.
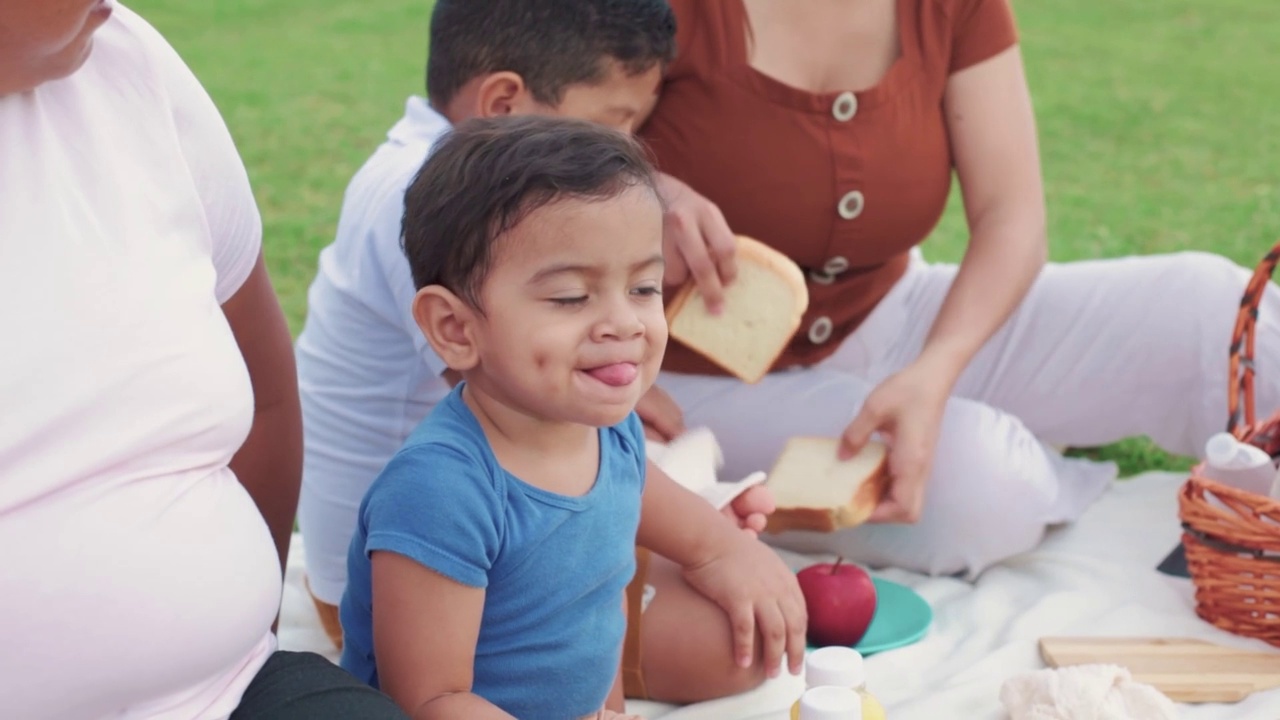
(841, 600)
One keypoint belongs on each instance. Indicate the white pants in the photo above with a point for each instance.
(1097, 352)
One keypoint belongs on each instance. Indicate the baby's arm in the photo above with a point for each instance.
(425, 628)
(433, 533)
(729, 566)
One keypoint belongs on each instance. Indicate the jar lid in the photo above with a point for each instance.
(834, 665)
(831, 703)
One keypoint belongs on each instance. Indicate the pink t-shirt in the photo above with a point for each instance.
(137, 578)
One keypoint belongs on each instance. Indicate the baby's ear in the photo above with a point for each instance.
(447, 323)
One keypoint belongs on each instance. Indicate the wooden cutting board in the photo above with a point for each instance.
(1186, 670)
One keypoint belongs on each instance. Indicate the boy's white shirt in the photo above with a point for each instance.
(366, 374)
(365, 266)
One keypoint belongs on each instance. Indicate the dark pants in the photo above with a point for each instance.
(305, 686)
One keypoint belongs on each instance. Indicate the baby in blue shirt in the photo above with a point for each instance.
(488, 568)
(552, 563)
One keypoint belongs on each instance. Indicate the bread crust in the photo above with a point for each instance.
(750, 250)
(830, 519)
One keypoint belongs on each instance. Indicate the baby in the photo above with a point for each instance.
(487, 570)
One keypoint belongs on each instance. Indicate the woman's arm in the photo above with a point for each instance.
(425, 629)
(993, 138)
(269, 464)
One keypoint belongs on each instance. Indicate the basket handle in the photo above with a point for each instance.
(1241, 413)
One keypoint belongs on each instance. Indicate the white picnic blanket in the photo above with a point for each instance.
(1095, 577)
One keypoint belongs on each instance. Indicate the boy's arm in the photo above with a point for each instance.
(728, 565)
(425, 628)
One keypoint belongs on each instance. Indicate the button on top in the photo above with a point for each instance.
(845, 107)
(822, 277)
(820, 330)
(835, 266)
(851, 205)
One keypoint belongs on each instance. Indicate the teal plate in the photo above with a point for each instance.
(902, 618)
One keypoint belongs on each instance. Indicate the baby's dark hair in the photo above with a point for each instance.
(487, 175)
(550, 43)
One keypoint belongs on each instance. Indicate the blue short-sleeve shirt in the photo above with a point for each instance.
(553, 567)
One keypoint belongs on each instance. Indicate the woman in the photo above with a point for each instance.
(149, 438)
(830, 130)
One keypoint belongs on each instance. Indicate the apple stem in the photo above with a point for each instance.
(837, 564)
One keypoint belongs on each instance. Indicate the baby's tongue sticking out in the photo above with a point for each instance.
(617, 374)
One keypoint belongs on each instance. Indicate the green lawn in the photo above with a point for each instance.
(1157, 124)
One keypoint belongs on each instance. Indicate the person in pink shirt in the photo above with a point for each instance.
(150, 439)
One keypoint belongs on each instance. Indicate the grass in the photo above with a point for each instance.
(1156, 123)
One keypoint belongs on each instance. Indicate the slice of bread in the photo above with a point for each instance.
(762, 309)
(816, 491)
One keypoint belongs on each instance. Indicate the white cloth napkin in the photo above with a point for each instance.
(693, 460)
(1084, 692)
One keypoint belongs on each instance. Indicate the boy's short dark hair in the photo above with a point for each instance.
(486, 175)
(550, 43)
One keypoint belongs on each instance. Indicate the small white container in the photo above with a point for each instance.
(835, 665)
(1239, 464)
(830, 702)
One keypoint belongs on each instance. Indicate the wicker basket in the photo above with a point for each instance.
(1232, 537)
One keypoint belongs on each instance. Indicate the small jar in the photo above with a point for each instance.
(829, 702)
(838, 666)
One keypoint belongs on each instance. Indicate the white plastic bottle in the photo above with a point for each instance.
(830, 703)
(1238, 464)
(838, 666)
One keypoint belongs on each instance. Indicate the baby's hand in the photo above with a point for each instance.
(751, 510)
(758, 591)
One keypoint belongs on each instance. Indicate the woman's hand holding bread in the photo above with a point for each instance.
(907, 410)
(696, 242)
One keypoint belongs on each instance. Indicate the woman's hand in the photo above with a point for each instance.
(696, 241)
(907, 409)
(662, 418)
(992, 129)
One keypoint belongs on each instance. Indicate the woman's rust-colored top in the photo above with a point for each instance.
(844, 183)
